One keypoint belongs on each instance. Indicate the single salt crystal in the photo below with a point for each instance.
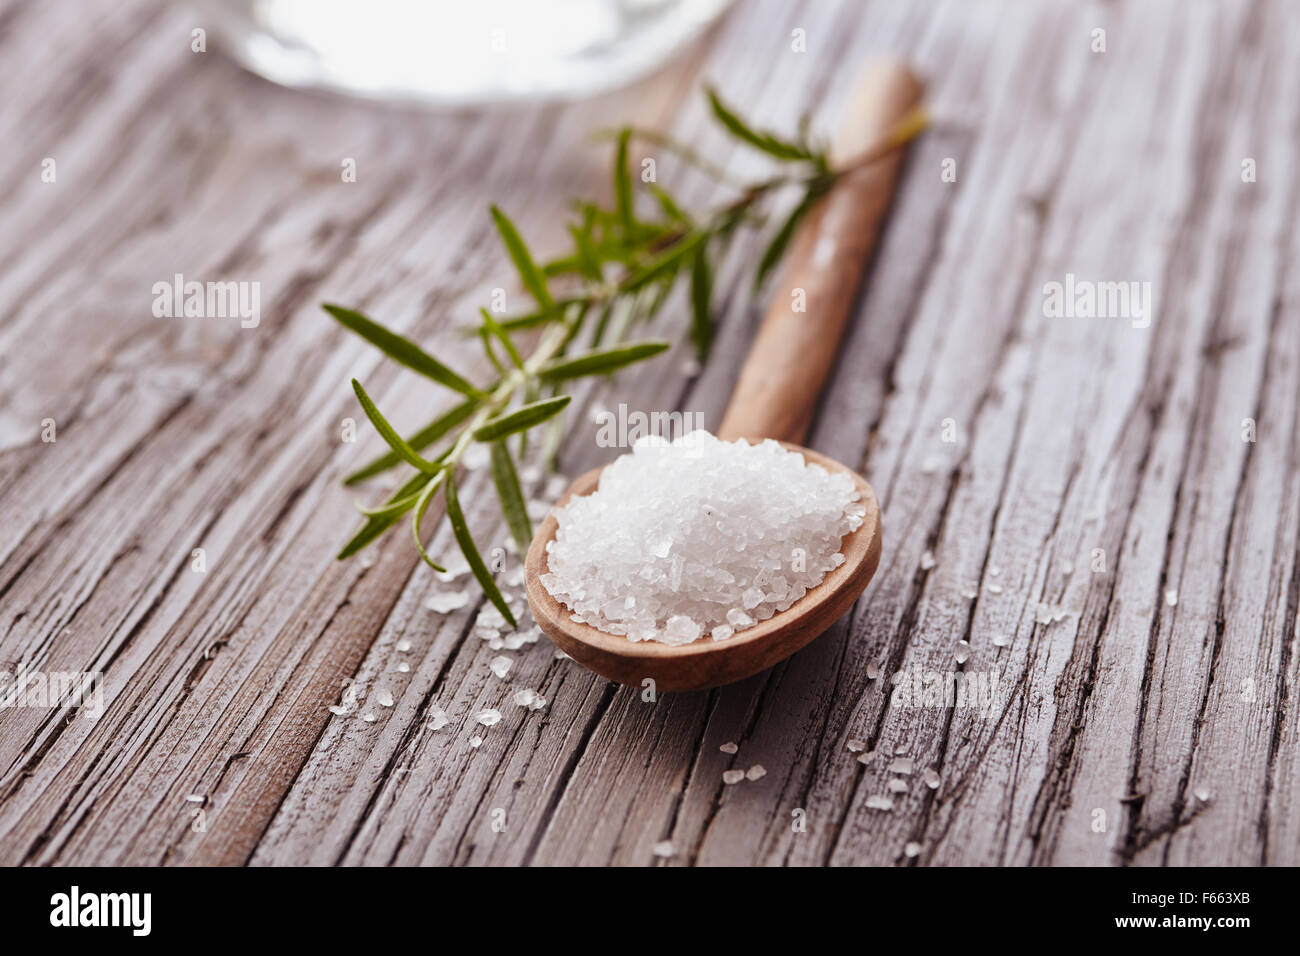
(524, 698)
(1202, 794)
(488, 717)
(927, 560)
(500, 666)
(962, 653)
(685, 537)
(739, 619)
(196, 798)
(338, 710)
(438, 719)
(1171, 598)
(729, 748)
(873, 671)
(1043, 614)
(385, 699)
(1067, 567)
(538, 703)
(900, 748)
(897, 786)
(476, 742)
(867, 757)
(912, 850)
(970, 594)
(931, 778)
(856, 746)
(663, 849)
(732, 776)
(875, 802)
(446, 601)
(994, 571)
(403, 645)
(680, 630)
(560, 655)
(404, 668)
(756, 771)
(900, 765)
(995, 589)
(1001, 640)
(368, 718)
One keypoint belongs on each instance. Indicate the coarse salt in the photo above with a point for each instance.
(699, 536)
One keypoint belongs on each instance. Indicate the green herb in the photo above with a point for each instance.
(623, 264)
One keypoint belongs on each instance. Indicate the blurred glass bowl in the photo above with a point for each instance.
(456, 51)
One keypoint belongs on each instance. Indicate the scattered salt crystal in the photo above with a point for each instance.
(729, 748)
(970, 594)
(1171, 598)
(875, 802)
(1067, 567)
(385, 699)
(368, 718)
(995, 589)
(538, 703)
(338, 711)
(700, 533)
(560, 655)
(873, 671)
(500, 666)
(403, 645)
(438, 719)
(446, 601)
(1202, 794)
(856, 746)
(756, 771)
(404, 668)
(901, 765)
(196, 798)
(912, 850)
(962, 654)
(900, 748)
(488, 717)
(1043, 614)
(931, 778)
(994, 570)
(732, 776)
(867, 757)
(1001, 640)
(663, 849)
(927, 560)
(898, 786)
(525, 698)
(476, 742)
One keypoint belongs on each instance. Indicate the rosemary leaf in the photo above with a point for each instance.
(386, 432)
(463, 538)
(665, 264)
(623, 183)
(393, 508)
(762, 141)
(426, 436)
(601, 362)
(494, 328)
(512, 496)
(402, 349)
(532, 277)
(525, 416)
(701, 293)
(781, 238)
(421, 506)
(377, 525)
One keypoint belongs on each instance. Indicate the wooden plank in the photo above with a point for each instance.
(1171, 719)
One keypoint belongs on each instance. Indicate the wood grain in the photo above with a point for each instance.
(1137, 728)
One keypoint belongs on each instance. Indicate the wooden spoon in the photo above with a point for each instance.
(775, 397)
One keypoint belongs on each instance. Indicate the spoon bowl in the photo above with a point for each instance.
(707, 663)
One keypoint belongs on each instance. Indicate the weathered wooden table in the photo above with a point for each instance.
(1105, 508)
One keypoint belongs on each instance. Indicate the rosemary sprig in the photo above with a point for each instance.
(622, 266)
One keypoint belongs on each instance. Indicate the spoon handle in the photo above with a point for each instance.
(781, 380)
